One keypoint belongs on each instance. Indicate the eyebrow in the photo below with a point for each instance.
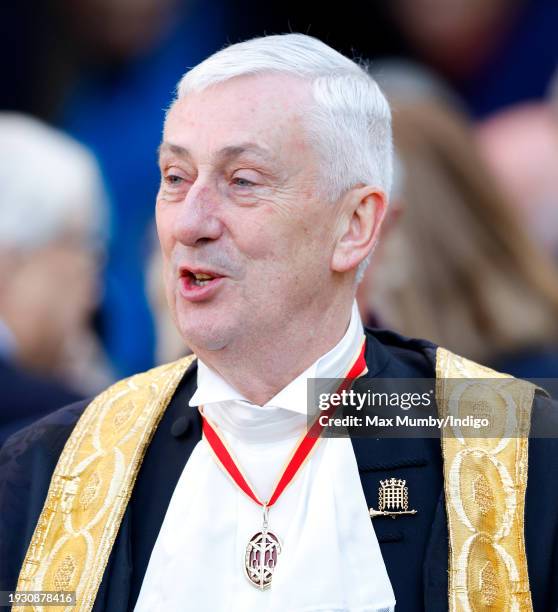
(225, 154)
(176, 149)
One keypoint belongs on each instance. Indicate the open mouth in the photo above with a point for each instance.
(200, 280)
(199, 284)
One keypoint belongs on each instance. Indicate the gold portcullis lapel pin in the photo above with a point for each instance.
(393, 499)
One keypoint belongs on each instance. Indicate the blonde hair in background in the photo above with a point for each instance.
(457, 267)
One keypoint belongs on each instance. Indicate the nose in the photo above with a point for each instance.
(197, 220)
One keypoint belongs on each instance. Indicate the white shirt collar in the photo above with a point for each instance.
(213, 388)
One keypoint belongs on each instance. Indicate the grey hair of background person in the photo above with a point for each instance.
(49, 186)
(350, 123)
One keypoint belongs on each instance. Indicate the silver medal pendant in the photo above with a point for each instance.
(261, 556)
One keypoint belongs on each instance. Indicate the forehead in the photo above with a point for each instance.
(264, 109)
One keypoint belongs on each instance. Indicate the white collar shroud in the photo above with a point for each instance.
(330, 559)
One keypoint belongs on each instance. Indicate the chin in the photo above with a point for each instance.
(202, 333)
(210, 325)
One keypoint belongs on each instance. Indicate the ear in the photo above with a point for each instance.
(362, 212)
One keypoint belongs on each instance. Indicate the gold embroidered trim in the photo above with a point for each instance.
(92, 484)
(485, 480)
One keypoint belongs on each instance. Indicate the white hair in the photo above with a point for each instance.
(49, 185)
(350, 124)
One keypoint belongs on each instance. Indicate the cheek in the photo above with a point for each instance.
(268, 234)
(164, 220)
(285, 255)
(169, 284)
(251, 233)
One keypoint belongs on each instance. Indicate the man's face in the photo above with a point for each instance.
(238, 203)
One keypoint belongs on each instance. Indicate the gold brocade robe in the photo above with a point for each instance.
(484, 482)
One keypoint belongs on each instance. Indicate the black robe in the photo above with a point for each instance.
(26, 397)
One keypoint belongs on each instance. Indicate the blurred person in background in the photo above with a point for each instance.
(102, 71)
(107, 84)
(520, 145)
(494, 52)
(455, 264)
(52, 221)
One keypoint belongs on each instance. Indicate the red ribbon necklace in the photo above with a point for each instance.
(264, 547)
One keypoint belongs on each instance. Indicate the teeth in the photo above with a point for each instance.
(202, 277)
(199, 283)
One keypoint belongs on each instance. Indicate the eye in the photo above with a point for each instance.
(173, 180)
(242, 182)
